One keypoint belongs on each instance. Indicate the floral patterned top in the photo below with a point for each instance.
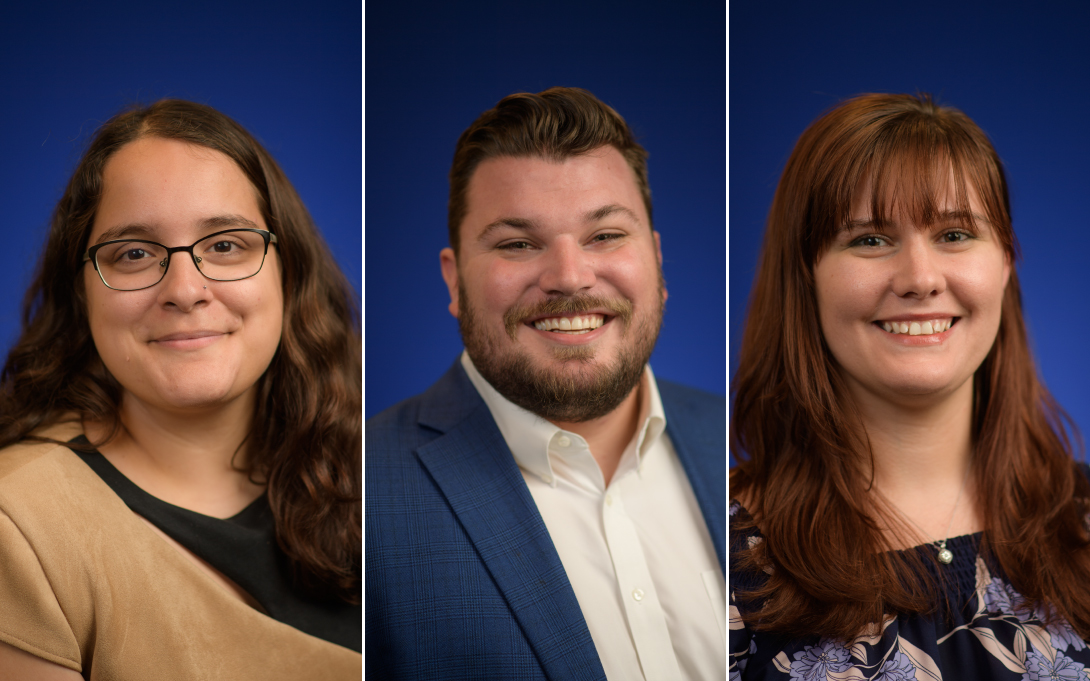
(989, 638)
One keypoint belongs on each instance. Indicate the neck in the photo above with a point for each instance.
(922, 457)
(609, 435)
(189, 459)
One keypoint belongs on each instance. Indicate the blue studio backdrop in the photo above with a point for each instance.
(432, 68)
(290, 73)
(1017, 69)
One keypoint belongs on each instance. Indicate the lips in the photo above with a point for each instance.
(573, 325)
(186, 335)
(913, 327)
(552, 311)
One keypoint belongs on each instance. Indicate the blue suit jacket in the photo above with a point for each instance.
(462, 579)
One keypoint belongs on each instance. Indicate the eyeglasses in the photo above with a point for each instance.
(134, 264)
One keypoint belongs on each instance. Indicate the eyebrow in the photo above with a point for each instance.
(943, 217)
(528, 225)
(605, 211)
(141, 230)
(517, 223)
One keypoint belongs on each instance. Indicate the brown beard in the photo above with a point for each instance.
(592, 392)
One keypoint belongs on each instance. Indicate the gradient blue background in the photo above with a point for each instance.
(432, 69)
(1019, 70)
(288, 72)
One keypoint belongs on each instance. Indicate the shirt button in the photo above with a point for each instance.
(548, 479)
(609, 500)
(637, 594)
(563, 441)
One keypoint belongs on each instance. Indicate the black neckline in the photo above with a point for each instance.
(127, 489)
(243, 547)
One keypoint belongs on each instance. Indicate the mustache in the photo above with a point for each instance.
(568, 305)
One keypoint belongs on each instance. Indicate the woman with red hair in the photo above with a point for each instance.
(906, 505)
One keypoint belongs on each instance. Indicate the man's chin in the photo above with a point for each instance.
(568, 390)
(573, 354)
(562, 382)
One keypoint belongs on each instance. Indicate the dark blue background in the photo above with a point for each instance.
(430, 71)
(288, 72)
(1020, 70)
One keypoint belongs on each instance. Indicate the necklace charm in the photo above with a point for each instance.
(945, 556)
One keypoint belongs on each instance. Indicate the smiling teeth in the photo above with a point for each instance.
(582, 324)
(919, 329)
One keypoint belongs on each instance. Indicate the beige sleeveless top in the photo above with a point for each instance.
(85, 583)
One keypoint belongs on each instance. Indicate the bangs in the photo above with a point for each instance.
(920, 189)
(915, 166)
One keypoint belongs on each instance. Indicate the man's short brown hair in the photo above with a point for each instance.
(555, 124)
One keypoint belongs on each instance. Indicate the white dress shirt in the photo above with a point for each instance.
(637, 552)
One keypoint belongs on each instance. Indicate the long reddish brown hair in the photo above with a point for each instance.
(802, 450)
(305, 439)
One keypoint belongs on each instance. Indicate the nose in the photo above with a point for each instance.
(919, 272)
(568, 269)
(183, 286)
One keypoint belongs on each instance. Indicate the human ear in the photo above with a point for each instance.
(448, 265)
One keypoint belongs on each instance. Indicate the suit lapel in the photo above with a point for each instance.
(474, 469)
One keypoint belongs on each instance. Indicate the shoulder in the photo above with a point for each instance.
(48, 491)
(423, 417)
(22, 458)
(44, 484)
(43, 478)
(744, 580)
(447, 426)
(743, 535)
(696, 415)
(46, 496)
(687, 399)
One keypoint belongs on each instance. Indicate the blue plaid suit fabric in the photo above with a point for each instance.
(462, 579)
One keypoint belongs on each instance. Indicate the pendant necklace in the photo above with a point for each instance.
(946, 556)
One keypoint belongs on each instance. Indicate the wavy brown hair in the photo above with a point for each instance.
(553, 124)
(305, 439)
(803, 453)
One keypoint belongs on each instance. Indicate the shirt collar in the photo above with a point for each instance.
(528, 435)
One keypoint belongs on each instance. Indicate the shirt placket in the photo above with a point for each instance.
(645, 615)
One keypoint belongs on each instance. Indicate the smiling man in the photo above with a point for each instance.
(548, 509)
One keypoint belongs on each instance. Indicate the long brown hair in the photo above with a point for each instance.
(802, 451)
(305, 439)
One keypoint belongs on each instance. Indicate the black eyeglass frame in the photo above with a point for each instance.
(92, 255)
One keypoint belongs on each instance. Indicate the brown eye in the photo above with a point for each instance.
(869, 241)
(515, 246)
(134, 254)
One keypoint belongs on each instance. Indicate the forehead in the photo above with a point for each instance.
(550, 191)
(917, 196)
(166, 185)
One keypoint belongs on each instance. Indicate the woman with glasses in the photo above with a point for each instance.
(907, 505)
(180, 478)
